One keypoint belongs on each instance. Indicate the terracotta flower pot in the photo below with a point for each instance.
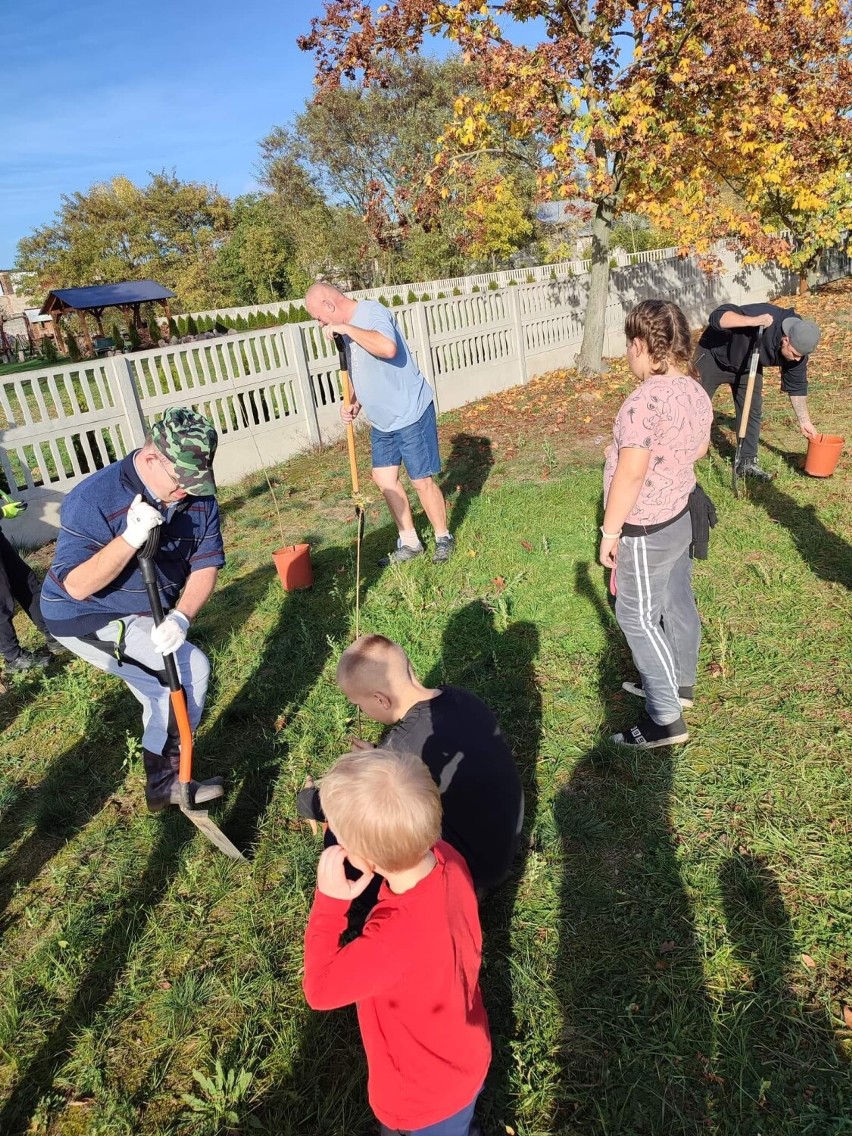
(294, 566)
(823, 454)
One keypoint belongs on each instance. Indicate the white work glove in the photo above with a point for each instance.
(141, 518)
(171, 634)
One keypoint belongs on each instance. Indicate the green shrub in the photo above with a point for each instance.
(396, 301)
(383, 300)
(553, 274)
(475, 288)
(133, 336)
(441, 296)
(457, 291)
(117, 337)
(513, 283)
(410, 298)
(241, 324)
(530, 278)
(425, 296)
(181, 326)
(493, 285)
(173, 327)
(191, 326)
(49, 350)
(73, 347)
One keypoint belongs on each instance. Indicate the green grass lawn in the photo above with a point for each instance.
(672, 955)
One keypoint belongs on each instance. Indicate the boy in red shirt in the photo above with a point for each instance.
(414, 972)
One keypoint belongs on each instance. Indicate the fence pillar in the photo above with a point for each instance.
(127, 397)
(424, 348)
(514, 304)
(295, 344)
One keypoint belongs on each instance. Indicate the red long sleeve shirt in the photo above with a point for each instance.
(414, 976)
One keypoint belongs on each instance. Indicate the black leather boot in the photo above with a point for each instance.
(163, 789)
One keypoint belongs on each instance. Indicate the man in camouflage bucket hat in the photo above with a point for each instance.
(94, 600)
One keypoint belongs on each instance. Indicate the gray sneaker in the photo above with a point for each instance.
(26, 661)
(400, 554)
(444, 549)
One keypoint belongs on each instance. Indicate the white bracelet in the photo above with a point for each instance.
(610, 536)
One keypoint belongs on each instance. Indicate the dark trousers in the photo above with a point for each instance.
(712, 377)
(18, 583)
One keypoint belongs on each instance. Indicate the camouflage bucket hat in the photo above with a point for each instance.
(189, 440)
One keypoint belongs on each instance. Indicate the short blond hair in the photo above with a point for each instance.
(373, 663)
(383, 806)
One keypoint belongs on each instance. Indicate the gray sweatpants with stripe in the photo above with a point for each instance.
(655, 608)
(142, 669)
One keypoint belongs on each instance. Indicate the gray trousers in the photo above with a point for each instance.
(712, 377)
(142, 669)
(655, 608)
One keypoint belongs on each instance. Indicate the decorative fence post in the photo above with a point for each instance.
(424, 348)
(295, 343)
(127, 397)
(514, 305)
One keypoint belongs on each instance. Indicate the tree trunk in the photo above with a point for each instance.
(589, 359)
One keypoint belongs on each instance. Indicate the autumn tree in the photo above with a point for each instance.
(169, 230)
(370, 151)
(660, 107)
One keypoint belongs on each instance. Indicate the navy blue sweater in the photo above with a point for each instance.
(95, 512)
(731, 347)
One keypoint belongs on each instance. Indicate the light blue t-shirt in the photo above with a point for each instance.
(393, 392)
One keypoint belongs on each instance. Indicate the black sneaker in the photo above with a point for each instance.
(750, 468)
(27, 661)
(648, 734)
(445, 546)
(55, 647)
(686, 694)
(400, 554)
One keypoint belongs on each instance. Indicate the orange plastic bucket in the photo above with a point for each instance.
(294, 566)
(823, 454)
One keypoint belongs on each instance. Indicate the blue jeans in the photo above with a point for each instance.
(415, 446)
(460, 1124)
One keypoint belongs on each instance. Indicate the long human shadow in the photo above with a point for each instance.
(826, 554)
(285, 667)
(465, 472)
(74, 789)
(776, 1063)
(96, 984)
(499, 667)
(636, 1039)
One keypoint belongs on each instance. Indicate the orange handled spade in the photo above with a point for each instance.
(199, 817)
(749, 393)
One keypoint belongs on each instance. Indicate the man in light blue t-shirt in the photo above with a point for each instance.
(398, 401)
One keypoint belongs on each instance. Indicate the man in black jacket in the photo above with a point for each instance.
(724, 353)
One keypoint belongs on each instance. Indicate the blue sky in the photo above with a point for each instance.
(94, 89)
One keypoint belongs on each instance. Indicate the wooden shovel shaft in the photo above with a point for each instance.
(347, 403)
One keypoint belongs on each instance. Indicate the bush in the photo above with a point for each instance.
(173, 327)
(73, 347)
(191, 326)
(425, 296)
(475, 288)
(383, 300)
(133, 336)
(553, 274)
(441, 296)
(493, 285)
(49, 350)
(181, 326)
(396, 301)
(530, 278)
(457, 291)
(117, 337)
(411, 298)
(513, 283)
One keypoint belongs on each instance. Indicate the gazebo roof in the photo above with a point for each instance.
(100, 296)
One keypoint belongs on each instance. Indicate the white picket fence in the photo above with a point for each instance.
(432, 289)
(271, 393)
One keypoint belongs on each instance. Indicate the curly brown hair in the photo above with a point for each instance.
(663, 327)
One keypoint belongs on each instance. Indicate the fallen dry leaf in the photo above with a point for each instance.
(847, 1016)
(499, 583)
(526, 544)
(808, 961)
(667, 947)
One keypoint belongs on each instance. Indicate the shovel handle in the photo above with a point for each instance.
(177, 694)
(347, 402)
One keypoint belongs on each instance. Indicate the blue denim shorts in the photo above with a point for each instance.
(414, 446)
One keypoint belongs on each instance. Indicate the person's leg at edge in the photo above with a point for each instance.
(9, 645)
(461, 1123)
(644, 566)
(20, 583)
(681, 623)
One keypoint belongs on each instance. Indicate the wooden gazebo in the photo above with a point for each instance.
(127, 297)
